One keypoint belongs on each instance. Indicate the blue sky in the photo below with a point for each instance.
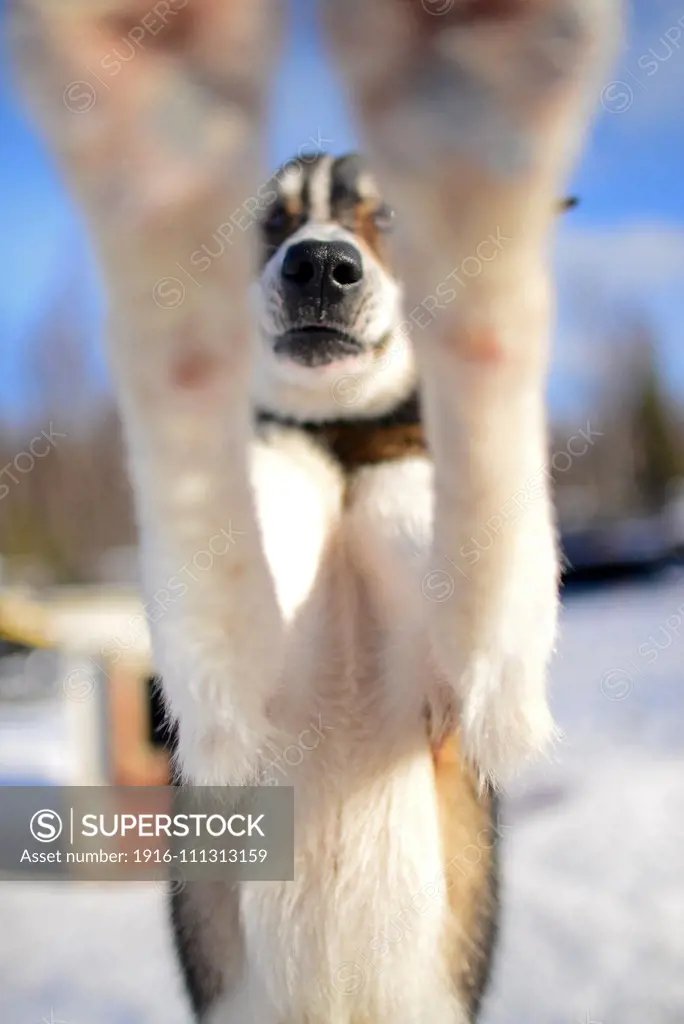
(623, 249)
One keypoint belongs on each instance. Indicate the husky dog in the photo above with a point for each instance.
(376, 452)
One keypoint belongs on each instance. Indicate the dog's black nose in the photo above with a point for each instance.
(325, 272)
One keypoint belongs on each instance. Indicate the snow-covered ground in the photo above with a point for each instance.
(593, 925)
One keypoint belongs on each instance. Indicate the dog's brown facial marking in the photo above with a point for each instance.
(359, 206)
(370, 223)
(283, 218)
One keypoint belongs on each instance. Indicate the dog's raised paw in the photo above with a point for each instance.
(505, 719)
(146, 105)
(473, 95)
(461, 61)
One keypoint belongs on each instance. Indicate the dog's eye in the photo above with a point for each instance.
(384, 218)
(277, 219)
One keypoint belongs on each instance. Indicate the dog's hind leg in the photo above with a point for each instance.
(156, 114)
(473, 112)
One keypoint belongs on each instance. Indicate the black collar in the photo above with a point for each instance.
(360, 442)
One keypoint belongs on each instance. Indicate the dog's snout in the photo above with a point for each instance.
(323, 271)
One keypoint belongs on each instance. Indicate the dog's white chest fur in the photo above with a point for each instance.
(369, 851)
(344, 941)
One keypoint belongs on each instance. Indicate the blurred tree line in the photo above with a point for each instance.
(636, 465)
(62, 511)
(64, 497)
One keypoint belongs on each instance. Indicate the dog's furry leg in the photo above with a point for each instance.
(156, 114)
(473, 111)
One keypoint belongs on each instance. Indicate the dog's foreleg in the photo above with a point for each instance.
(156, 114)
(473, 111)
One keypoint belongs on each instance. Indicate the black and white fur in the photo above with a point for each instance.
(325, 609)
